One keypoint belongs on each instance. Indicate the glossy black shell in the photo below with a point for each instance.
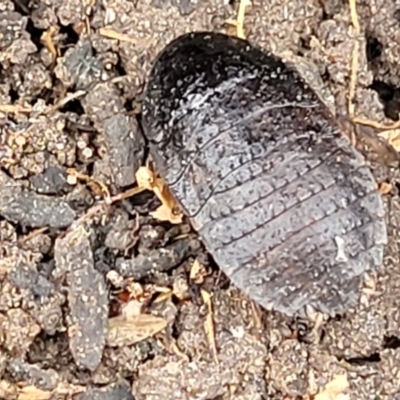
(285, 205)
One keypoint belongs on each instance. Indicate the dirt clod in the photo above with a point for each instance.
(30, 209)
(117, 391)
(87, 298)
(161, 260)
(125, 146)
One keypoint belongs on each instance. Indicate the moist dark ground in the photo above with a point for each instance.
(72, 102)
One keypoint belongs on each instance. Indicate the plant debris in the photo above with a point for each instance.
(128, 330)
(167, 211)
(334, 389)
(30, 209)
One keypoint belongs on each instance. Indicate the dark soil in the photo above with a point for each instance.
(72, 261)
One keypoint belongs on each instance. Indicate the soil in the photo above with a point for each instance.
(98, 299)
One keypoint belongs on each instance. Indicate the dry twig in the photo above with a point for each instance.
(376, 125)
(112, 34)
(47, 40)
(239, 21)
(14, 109)
(209, 324)
(100, 206)
(97, 187)
(63, 101)
(354, 58)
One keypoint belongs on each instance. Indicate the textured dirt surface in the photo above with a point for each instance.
(76, 254)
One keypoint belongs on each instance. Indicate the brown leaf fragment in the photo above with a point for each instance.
(168, 210)
(334, 389)
(125, 331)
(385, 188)
(198, 272)
(8, 390)
(14, 109)
(393, 138)
(33, 393)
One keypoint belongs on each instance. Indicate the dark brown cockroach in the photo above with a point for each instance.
(283, 202)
